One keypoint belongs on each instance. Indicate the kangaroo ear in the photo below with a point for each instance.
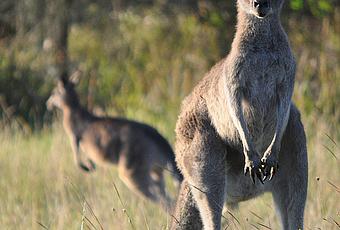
(75, 77)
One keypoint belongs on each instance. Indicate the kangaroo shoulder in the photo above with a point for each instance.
(194, 117)
(194, 114)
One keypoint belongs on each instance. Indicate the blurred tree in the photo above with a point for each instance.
(60, 16)
(123, 44)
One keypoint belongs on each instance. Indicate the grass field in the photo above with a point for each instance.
(40, 188)
(140, 63)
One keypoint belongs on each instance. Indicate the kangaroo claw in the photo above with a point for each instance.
(269, 168)
(259, 176)
(89, 167)
(84, 168)
(253, 169)
(272, 173)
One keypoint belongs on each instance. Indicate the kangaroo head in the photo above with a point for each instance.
(260, 8)
(64, 93)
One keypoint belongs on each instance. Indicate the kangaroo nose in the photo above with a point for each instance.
(261, 4)
(262, 7)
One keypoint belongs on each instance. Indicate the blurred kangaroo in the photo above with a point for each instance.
(240, 120)
(140, 152)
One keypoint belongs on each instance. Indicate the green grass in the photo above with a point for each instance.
(41, 187)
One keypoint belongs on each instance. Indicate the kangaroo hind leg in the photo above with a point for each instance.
(186, 215)
(204, 170)
(136, 177)
(290, 188)
(158, 184)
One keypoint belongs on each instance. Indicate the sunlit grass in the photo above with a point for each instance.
(40, 184)
(141, 68)
(41, 187)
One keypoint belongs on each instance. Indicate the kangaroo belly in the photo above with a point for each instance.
(94, 152)
(101, 149)
(260, 117)
(238, 189)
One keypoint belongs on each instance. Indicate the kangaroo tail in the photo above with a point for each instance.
(172, 166)
(167, 151)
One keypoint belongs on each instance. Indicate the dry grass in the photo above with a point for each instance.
(40, 188)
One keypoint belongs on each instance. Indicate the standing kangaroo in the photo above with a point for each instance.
(240, 120)
(140, 152)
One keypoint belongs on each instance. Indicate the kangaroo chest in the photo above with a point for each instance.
(258, 77)
(263, 72)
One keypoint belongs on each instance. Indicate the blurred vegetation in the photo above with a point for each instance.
(140, 58)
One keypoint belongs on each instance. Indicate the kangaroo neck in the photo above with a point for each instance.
(253, 32)
(76, 118)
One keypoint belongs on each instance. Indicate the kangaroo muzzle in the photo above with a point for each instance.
(49, 104)
(262, 8)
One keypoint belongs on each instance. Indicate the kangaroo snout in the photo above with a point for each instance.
(262, 8)
(49, 104)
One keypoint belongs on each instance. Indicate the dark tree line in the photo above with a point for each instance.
(44, 27)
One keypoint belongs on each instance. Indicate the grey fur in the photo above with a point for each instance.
(140, 152)
(243, 105)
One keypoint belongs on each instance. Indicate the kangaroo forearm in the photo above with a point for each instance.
(235, 110)
(283, 111)
(282, 120)
(75, 150)
(76, 157)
